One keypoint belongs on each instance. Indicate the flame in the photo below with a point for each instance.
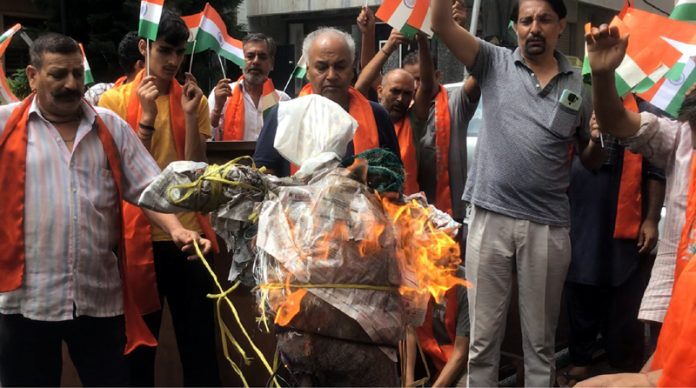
(290, 307)
(430, 254)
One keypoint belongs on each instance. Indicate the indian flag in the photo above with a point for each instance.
(668, 94)
(301, 68)
(212, 35)
(6, 95)
(684, 10)
(6, 36)
(193, 22)
(150, 14)
(89, 79)
(407, 16)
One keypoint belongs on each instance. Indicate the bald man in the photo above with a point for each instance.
(330, 53)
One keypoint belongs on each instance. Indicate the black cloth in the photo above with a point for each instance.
(184, 284)
(266, 155)
(31, 351)
(611, 312)
(597, 258)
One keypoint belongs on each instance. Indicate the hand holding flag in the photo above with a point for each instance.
(605, 48)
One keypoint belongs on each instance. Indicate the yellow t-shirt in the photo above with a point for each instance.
(162, 147)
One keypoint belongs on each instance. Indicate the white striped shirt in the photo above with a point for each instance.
(668, 145)
(71, 219)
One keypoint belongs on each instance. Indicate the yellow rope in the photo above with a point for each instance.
(214, 173)
(277, 286)
(224, 330)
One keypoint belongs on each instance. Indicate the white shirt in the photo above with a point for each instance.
(253, 117)
(71, 218)
(667, 144)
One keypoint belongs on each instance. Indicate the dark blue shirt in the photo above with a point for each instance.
(266, 155)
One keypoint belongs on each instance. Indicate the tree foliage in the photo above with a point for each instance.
(100, 25)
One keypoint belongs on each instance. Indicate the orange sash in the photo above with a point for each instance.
(366, 136)
(233, 123)
(120, 81)
(629, 207)
(675, 353)
(443, 126)
(137, 227)
(438, 353)
(404, 133)
(687, 242)
(13, 152)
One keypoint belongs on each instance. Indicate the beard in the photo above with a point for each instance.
(254, 79)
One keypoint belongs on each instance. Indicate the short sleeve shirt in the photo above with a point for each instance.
(521, 168)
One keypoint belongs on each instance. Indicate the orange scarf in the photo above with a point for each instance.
(675, 353)
(120, 81)
(404, 133)
(137, 227)
(629, 208)
(366, 136)
(443, 126)
(438, 353)
(687, 242)
(233, 123)
(13, 152)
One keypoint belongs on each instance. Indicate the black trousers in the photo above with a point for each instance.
(613, 312)
(184, 284)
(31, 351)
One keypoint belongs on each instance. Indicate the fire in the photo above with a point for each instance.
(429, 253)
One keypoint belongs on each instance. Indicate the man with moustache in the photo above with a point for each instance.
(534, 111)
(67, 167)
(236, 108)
(330, 53)
(395, 93)
(172, 122)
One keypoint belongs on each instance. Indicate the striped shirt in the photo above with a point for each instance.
(666, 144)
(71, 219)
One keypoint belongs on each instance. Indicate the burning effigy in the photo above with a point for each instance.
(340, 261)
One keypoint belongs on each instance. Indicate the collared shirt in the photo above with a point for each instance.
(253, 117)
(666, 144)
(71, 218)
(521, 168)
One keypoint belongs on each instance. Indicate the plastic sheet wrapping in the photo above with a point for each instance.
(332, 237)
(328, 254)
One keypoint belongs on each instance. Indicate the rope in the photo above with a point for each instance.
(216, 175)
(225, 332)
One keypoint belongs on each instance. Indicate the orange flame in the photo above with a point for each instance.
(429, 253)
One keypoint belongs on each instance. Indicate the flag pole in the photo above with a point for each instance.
(292, 75)
(147, 57)
(193, 51)
(473, 26)
(222, 67)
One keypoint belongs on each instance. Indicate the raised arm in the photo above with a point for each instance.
(426, 91)
(366, 25)
(461, 43)
(371, 73)
(606, 50)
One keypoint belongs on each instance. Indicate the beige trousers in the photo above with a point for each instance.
(497, 247)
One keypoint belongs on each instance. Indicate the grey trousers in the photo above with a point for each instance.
(498, 246)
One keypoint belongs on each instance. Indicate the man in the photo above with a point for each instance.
(615, 210)
(237, 109)
(330, 54)
(518, 184)
(61, 226)
(172, 122)
(131, 62)
(395, 94)
(668, 144)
